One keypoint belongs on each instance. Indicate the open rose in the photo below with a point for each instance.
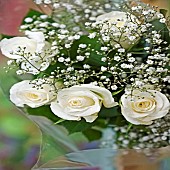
(121, 26)
(33, 59)
(144, 107)
(23, 93)
(81, 101)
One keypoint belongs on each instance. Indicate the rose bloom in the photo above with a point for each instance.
(33, 44)
(121, 27)
(144, 107)
(81, 101)
(23, 93)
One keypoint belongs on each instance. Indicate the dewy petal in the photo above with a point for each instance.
(106, 95)
(58, 111)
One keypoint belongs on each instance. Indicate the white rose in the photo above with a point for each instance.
(117, 22)
(144, 107)
(23, 93)
(33, 45)
(81, 101)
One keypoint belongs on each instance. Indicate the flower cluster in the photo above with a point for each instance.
(104, 66)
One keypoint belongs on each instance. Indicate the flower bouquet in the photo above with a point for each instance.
(93, 77)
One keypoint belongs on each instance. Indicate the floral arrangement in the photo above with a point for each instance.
(91, 69)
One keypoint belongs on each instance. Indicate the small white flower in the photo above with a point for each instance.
(114, 87)
(77, 37)
(23, 93)
(117, 21)
(61, 59)
(92, 35)
(162, 20)
(68, 45)
(104, 59)
(86, 66)
(9, 62)
(132, 38)
(70, 69)
(28, 20)
(149, 61)
(19, 72)
(80, 58)
(55, 24)
(104, 48)
(103, 68)
(131, 59)
(142, 107)
(82, 101)
(82, 45)
(106, 38)
(117, 45)
(117, 58)
(121, 50)
(147, 48)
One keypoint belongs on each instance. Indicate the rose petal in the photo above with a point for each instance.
(58, 111)
(106, 95)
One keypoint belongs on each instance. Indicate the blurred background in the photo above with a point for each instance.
(19, 137)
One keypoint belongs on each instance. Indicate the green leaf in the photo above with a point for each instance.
(92, 134)
(129, 127)
(76, 126)
(43, 111)
(83, 40)
(59, 121)
(33, 13)
(163, 11)
(7, 80)
(117, 92)
(162, 29)
(109, 112)
(95, 60)
(118, 121)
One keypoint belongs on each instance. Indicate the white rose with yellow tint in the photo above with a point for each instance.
(30, 51)
(120, 26)
(82, 101)
(23, 93)
(144, 107)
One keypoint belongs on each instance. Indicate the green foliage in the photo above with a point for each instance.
(162, 29)
(94, 58)
(109, 112)
(164, 12)
(76, 126)
(118, 121)
(92, 134)
(43, 111)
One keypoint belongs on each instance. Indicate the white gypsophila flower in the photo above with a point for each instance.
(82, 101)
(142, 107)
(116, 21)
(24, 93)
(26, 49)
